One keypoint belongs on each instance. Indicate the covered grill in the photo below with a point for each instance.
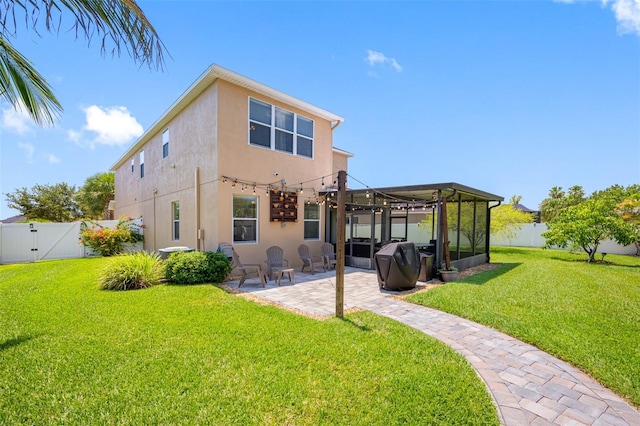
(397, 266)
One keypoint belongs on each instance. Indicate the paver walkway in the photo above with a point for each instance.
(528, 386)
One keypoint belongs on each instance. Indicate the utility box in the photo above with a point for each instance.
(165, 252)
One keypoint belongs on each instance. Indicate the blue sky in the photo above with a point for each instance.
(511, 97)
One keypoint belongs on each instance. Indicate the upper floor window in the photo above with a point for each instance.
(133, 165)
(142, 163)
(278, 129)
(165, 143)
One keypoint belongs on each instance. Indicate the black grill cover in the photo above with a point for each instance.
(398, 266)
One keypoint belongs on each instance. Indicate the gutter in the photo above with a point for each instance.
(488, 247)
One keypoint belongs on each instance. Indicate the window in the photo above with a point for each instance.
(165, 143)
(142, 164)
(133, 165)
(278, 129)
(311, 221)
(175, 209)
(245, 219)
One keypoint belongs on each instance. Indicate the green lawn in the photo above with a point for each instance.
(73, 354)
(586, 314)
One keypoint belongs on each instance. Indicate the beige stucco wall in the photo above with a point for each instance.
(211, 136)
(240, 160)
(191, 147)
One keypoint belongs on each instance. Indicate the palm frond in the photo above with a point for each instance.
(22, 86)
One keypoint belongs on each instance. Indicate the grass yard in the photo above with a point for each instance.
(73, 354)
(586, 314)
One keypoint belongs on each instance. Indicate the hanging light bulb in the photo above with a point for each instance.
(254, 189)
(322, 182)
(384, 203)
(301, 189)
(367, 194)
(233, 185)
(224, 179)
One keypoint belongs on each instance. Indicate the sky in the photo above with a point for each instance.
(510, 97)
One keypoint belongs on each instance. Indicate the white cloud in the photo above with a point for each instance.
(16, 120)
(28, 149)
(53, 159)
(627, 13)
(114, 126)
(378, 58)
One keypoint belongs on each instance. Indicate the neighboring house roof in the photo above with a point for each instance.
(14, 219)
(213, 73)
(523, 208)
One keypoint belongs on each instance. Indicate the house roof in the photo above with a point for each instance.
(213, 73)
(14, 219)
(523, 208)
(342, 152)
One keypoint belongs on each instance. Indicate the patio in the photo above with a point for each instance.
(315, 294)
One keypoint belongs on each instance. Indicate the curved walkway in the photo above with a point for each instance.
(528, 386)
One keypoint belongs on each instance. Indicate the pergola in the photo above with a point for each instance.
(376, 216)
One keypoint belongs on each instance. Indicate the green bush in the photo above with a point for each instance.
(132, 271)
(197, 267)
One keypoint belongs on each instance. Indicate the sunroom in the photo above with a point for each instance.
(442, 220)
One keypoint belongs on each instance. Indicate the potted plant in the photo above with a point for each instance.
(449, 274)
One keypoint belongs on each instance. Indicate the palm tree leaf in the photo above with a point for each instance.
(23, 86)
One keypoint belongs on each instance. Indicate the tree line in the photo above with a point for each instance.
(62, 202)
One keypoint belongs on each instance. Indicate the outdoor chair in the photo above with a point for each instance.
(245, 270)
(329, 256)
(275, 260)
(309, 261)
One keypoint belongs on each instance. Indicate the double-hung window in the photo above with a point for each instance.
(142, 163)
(245, 219)
(280, 130)
(311, 221)
(165, 143)
(175, 215)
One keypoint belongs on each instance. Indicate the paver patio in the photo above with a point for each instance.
(527, 385)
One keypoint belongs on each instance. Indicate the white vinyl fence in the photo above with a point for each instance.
(29, 242)
(530, 236)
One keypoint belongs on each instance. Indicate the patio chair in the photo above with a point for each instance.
(245, 270)
(275, 260)
(329, 256)
(309, 261)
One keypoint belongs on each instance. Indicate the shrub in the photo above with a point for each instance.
(197, 267)
(109, 242)
(132, 271)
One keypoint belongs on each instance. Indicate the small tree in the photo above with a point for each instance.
(95, 194)
(54, 203)
(587, 224)
(506, 220)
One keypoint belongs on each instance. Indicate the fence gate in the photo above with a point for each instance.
(29, 242)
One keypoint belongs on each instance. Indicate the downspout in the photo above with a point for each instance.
(488, 242)
(197, 197)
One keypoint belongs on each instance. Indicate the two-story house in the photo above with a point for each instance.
(232, 160)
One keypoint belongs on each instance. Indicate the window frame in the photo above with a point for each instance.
(165, 143)
(141, 164)
(175, 221)
(253, 219)
(305, 221)
(133, 165)
(275, 130)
